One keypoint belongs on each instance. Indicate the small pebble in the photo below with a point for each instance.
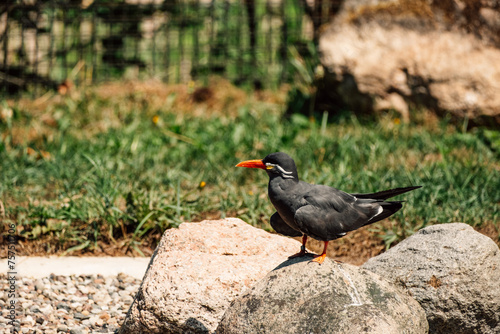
(69, 304)
(62, 328)
(80, 316)
(76, 331)
(39, 285)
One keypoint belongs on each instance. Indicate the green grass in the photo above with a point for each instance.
(113, 175)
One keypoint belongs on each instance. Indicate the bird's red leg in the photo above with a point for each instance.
(302, 248)
(321, 258)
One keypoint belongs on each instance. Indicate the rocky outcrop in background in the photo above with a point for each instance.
(398, 54)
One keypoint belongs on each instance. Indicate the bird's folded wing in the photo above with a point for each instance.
(327, 213)
(324, 197)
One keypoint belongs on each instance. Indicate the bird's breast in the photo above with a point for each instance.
(284, 202)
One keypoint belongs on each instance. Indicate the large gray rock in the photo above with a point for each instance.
(301, 296)
(394, 54)
(197, 270)
(453, 272)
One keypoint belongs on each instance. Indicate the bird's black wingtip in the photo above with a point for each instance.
(383, 195)
(406, 189)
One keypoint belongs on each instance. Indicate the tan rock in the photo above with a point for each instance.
(197, 270)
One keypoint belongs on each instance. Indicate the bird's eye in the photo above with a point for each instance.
(270, 165)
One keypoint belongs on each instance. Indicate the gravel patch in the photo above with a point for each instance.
(76, 304)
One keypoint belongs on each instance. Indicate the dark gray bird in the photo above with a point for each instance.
(321, 212)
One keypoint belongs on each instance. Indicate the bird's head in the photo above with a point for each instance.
(275, 164)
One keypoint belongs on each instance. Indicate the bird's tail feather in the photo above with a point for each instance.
(389, 208)
(383, 195)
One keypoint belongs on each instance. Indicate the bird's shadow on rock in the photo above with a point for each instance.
(306, 258)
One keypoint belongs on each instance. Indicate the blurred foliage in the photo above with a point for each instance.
(493, 138)
(175, 41)
(306, 71)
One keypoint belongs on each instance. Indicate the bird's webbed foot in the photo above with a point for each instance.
(319, 258)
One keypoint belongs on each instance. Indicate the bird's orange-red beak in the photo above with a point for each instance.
(252, 164)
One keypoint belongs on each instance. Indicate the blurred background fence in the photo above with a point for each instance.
(46, 43)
